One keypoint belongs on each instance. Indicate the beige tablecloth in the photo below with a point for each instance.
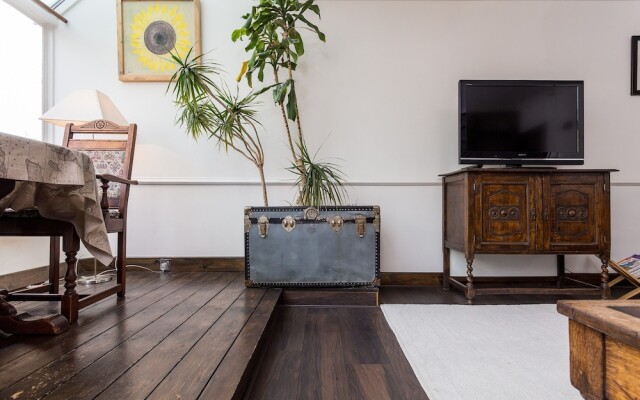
(60, 183)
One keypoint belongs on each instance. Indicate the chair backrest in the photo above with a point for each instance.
(111, 148)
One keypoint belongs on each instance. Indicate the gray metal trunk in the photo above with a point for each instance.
(305, 246)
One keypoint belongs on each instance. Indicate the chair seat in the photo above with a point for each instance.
(34, 213)
(27, 213)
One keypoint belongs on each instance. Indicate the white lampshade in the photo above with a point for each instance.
(83, 106)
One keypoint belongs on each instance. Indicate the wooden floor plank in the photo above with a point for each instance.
(173, 333)
(135, 279)
(140, 380)
(324, 370)
(100, 318)
(279, 372)
(61, 350)
(343, 355)
(127, 343)
(97, 311)
(16, 345)
(372, 383)
(191, 374)
(361, 340)
(232, 375)
(398, 367)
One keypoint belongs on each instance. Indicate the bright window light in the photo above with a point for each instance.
(20, 74)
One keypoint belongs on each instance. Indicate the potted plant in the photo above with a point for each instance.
(278, 254)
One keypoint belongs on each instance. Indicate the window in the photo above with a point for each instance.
(21, 74)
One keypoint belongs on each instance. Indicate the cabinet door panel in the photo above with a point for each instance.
(573, 211)
(504, 208)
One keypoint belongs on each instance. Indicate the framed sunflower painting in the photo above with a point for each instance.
(149, 30)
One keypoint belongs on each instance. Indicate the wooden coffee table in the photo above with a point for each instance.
(604, 339)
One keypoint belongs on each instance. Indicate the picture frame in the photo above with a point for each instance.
(148, 30)
(635, 85)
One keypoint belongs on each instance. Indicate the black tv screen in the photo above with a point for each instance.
(521, 122)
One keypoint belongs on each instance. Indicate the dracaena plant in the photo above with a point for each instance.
(272, 30)
(206, 108)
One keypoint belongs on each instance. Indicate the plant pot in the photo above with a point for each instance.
(309, 247)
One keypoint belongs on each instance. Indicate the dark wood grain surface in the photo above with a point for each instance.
(175, 332)
(334, 353)
(166, 327)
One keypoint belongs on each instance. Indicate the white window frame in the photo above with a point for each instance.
(48, 22)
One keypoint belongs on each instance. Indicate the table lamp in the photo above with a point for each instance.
(80, 107)
(83, 106)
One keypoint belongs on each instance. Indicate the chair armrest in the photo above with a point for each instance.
(113, 178)
(105, 179)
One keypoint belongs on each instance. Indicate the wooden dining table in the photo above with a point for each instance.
(49, 190)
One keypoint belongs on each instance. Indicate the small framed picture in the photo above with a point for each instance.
(149, 31)
(635, 85)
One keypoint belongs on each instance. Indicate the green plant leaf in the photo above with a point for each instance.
(315, 9)
(249, 18)
(280, 91)
(292, 103)
(238, 33)
(320, 183)
(315, 28)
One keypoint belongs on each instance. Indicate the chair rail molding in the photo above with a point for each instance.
(210, 181)
(200, 181)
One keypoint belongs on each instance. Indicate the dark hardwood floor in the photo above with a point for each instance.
(174, 336)
(334, 353)
(435, 295)
(203, 335)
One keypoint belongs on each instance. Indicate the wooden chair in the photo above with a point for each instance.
(111, 148)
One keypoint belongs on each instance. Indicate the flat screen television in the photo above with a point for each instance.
(521, 122)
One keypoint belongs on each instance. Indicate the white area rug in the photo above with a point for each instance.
(478, 352)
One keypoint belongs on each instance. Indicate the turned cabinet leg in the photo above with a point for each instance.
(470, 291)
(561, 271)
(446, 268)
(604, 278)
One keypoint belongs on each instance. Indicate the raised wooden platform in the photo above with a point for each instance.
(174, 335)
(334, 297)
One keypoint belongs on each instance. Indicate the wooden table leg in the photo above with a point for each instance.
(70, 298)
(27, 324)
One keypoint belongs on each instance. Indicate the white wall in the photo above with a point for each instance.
(381, 96)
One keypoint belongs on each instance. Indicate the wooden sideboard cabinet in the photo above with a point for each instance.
(526, 211)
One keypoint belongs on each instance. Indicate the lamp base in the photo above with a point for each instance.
(94, 280)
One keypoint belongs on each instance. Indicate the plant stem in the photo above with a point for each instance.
(297, 160)
(298, 122)
(286, 122)
(263, 182)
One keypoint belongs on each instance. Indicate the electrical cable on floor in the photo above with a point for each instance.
(577, 281)
(148, 269)
(45, 283)
(130, 266)
(87, 280)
